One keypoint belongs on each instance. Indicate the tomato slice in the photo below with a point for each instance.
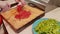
(23, 14)
(19, 8)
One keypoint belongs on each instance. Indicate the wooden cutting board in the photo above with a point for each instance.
(17, 24)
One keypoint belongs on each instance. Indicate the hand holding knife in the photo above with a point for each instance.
(5, 5)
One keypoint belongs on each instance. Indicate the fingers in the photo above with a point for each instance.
(22, 1)
(4, 5)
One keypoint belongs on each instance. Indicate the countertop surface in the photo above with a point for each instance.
(51, 14)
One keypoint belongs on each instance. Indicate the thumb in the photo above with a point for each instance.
(23, 2)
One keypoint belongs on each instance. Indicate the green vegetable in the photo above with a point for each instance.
(49, 26)
(43, 33)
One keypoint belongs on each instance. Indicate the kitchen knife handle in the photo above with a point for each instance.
(14, 4)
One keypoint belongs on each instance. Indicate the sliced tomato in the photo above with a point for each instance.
(17, 16)
(19, 8)
(23, 14)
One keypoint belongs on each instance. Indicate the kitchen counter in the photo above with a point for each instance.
(51, 14)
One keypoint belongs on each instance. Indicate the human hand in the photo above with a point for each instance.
(4, 5)
(22, 1)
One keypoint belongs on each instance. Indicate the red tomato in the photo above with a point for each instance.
(1, 20)
(17, 16)
(23, 14)
(19, 8)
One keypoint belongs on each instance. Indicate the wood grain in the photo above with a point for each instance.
(16, 23)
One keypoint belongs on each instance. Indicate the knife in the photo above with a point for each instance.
(12, 5)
